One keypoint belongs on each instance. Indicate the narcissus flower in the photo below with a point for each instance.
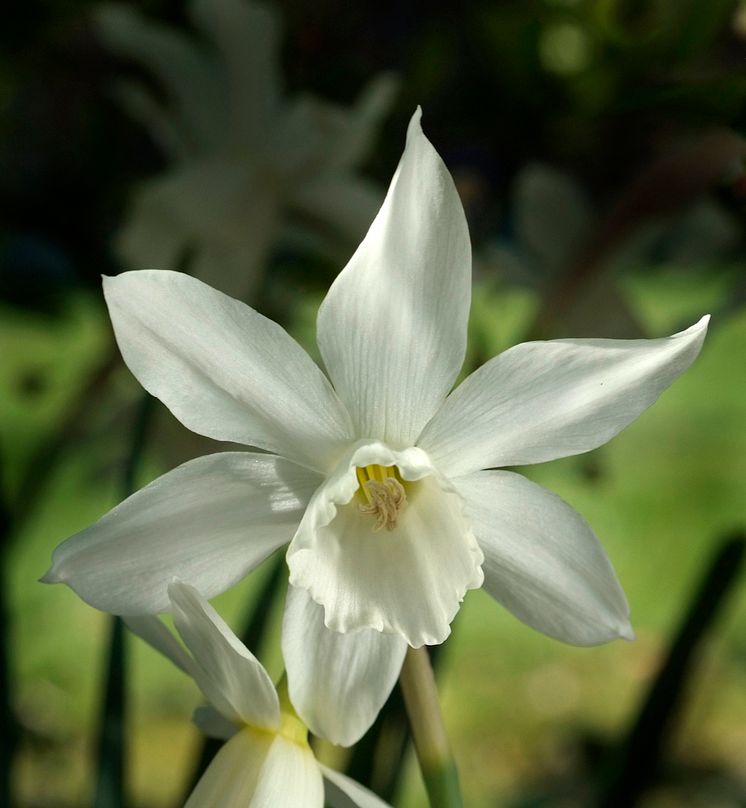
(248, 164)
(383, 480)
(266, 761)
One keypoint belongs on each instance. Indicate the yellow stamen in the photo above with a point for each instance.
(363, 479)
(384, 494)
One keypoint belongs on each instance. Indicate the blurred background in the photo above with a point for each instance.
(597, 147)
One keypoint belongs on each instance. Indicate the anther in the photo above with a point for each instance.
(386, 500)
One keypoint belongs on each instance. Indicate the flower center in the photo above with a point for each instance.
(292, 728)
(382, 493)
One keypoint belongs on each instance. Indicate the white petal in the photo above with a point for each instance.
(542, 400)
(542, 560)
(209, 521)
(224, 370)
(392, 329)
(409, 580)
(290, 776)
(343, 792)
(247, 35)
(211, 723)
(152, 629)
(226, 671)
(231, 779)
(337, 682)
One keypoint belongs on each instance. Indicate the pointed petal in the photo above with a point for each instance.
(226, 671)
(337, 682)
(209, 521)
(542, 400)
(392, 329)
(152, 629)
(223, 369)
(247, 36)
(231, 779)
(542, 560)
(343, 792)
(408, 579)
(290, 776)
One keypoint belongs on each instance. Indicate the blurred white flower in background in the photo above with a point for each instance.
(247, 164)
(267, 761)
(383, 479)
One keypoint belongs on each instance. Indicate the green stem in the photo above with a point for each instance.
(428, 731)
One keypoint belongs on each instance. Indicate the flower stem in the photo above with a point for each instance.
(428, 731)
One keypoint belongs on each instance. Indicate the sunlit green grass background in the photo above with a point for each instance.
(659, 497)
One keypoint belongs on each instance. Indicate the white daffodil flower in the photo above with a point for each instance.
(247, 164)
(383, 480)
(266, 762)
